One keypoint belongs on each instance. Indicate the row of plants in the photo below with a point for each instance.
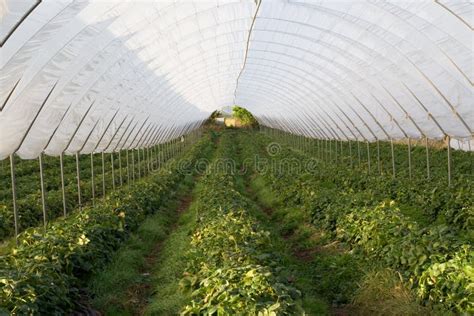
(435, 260)
(27, 173)
(44, 272)
(427, 200)
(357, 154)
(232, 266)
(30, 213)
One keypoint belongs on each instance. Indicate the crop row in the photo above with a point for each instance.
(232, 268)
(27, 172)
(428, 200)
(435, 260)
(377, 156)
(43, 273)
(29, 206)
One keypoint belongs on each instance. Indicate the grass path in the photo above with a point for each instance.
(125, 285)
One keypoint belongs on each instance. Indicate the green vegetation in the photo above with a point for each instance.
(232, 264)
(267, 229)
(44, 272)
(28, 184)
(124, 285)
(357, 210)
(246, 118)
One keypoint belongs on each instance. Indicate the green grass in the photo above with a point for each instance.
(168, 298)
(123, 285)
(281, 223)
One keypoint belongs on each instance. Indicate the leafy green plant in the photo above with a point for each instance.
(245, 117)
(367, 212)
(43, 273)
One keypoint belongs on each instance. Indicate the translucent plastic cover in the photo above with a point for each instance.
(83, 76)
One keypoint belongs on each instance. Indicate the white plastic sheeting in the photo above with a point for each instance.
(103, 75)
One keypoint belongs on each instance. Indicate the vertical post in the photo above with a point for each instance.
(113, 170)
(78, 177)
(133, 166)
(448, 140)
(368, 155)
(147, 159)
(15, 208)
(350, 153)
(146, 153)
(120, 167)
(409, 157)
(63, 191)
(103, 175)
(393, 157)
(427, 158)
(128, 170)
(92, 179)
(43, 200)
(138, 163)
(335, 147)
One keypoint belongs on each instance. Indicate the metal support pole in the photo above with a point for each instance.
(113, 169)
(409, 157)
(63, 191)
(368, 156)
(138, 163)
(133, 166)
(448, 140)
(43, 199)
(92, 179)
(393, 157)
(103, 175)
(147, 151)
(120, 167)
(78, 177)
(427, 158)
(128, 170)
(15, 208)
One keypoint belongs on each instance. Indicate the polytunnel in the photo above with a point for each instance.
(372, 70)
(113, 123)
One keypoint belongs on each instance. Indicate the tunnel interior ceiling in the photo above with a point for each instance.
(91, 76)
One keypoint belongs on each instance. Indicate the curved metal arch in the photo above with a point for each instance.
(452, 108)
(370, 28)
(307, 73)
(407, 21)
(292, 101)
(291, 91)
(337, 90)
(60, 50)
